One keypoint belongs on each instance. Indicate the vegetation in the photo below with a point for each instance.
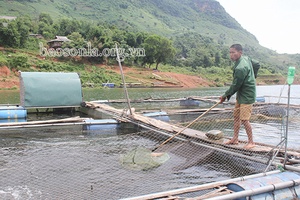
(191, 36)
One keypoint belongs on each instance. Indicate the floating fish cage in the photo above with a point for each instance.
(104, 124)
(12, 112)
(105, 150)
(261, 182)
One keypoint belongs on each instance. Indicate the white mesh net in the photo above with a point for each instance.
(67, 162)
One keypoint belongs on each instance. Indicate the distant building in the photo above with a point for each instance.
(5, 24)
(57, 42)
(8, 17)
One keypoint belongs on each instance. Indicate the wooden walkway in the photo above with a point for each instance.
(259, 148)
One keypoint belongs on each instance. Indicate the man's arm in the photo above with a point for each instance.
(237, 82)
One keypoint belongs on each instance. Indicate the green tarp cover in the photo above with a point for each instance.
(50, 89)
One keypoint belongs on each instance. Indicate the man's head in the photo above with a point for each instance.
(236, 51)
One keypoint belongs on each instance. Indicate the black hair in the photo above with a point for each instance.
(237, 47)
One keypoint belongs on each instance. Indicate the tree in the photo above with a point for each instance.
(77, 41)
(9, 36)
(23, 25)
(217, 59)
(206, 61)
(131, 39)
(46, 30)
(15, 33)
(158, 50)
(66, 27)
(46, 18)
(94, 32)
(166, 52)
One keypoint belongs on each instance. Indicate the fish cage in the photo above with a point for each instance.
(69, 163)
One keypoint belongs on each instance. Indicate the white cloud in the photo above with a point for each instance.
(275, 23)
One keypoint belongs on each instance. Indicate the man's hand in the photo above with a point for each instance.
(222, 99)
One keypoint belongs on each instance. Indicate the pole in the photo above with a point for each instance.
(123, 80)
(290, 80)
(199, 187)
(259, 190)
(287, 127)
(185, 127)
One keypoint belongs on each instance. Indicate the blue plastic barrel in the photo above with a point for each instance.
(267, 180)
(110, 85)
(13, 120)
(163, 116)
(100, 124)
(12, 112)
(260, 99)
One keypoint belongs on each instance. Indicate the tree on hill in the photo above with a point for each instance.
(158, 50)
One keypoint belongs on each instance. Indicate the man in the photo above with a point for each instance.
(244, 85)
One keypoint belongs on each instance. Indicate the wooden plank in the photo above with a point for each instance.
(262, 148)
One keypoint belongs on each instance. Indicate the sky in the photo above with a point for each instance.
(275, 23)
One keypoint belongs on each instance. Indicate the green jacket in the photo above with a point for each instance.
(243, 83)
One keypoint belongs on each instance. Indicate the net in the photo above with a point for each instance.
(68, 162)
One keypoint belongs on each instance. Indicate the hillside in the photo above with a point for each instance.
(146, 77)
(165, 17)
(201, 32)
(170, 18)
(157, 16)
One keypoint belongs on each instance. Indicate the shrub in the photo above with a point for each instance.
(3, 61)
(19, 62)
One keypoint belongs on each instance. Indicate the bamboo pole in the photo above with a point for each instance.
(186, 127)
(30, 125)
(123, 80)
(199, 187)
(71, 119)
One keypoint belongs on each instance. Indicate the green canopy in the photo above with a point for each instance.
(50, 89)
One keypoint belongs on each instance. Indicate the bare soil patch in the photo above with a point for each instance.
(144, 77)
(157, 78)
(8, 79)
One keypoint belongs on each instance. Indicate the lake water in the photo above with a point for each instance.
(71, 163)
(273, 93)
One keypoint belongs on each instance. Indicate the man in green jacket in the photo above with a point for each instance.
(244, 85)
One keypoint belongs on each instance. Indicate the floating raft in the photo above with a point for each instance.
(269, 185)
(135, 117)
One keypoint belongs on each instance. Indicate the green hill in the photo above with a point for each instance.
(186, 22)
(166, 17)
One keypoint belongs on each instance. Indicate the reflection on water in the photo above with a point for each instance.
(279, 93)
